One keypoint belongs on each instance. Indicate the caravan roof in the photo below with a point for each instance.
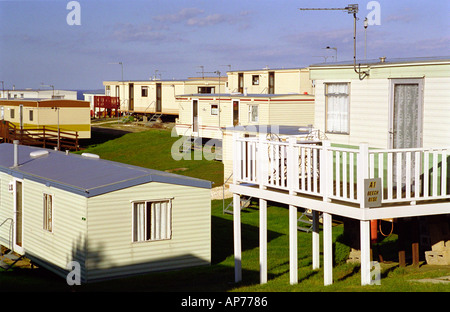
(87, 176)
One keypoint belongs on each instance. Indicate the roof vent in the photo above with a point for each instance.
(89, 155)
(39, 153)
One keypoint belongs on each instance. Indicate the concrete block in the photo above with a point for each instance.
(439, 257)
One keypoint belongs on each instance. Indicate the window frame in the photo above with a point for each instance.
(250, 113)
(214, 111)
(144, 91)
(30, 115)
(48, 223)
(209, 89)
(327, 95)
(255, 80)
(147, 235)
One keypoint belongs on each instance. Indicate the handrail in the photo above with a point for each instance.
(10, 231)
(39, 136)
(153, 102)
(414, 174)
(223, 192)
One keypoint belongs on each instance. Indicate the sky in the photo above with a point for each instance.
(51, 42)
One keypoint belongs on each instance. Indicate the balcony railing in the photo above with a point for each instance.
(318, 169)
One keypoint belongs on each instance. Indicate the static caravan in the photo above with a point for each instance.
(158, 96)
(38, 94)
(67, 115)
(270, 81)
(205, 115)
(112, 219)
(402, 103)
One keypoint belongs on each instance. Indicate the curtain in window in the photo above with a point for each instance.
(337, 107)
(139, 222)
(254, 113)
(160, 227)
(152, 221)
(406, 124)
(48, 212)
(406, 115)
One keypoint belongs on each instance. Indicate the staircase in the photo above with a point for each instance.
(306, 222)
(9, 259)
(155, 117)
(7, 256)
(245, 202)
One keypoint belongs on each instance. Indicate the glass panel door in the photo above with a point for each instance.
(18, 218)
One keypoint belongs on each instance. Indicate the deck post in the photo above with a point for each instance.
(261, 162)
(293, 253)
(315, 241)
(237, 237)
(325, 181)
(327, 249)
(363, 173)
(263, 241)
(365, 252)
(236, 158)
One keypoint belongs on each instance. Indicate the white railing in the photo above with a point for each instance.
(317, 169)
(411, 174)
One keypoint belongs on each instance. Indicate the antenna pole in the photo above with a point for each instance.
(351, 9)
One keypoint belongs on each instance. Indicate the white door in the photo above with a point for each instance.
(406, 113)
(18, 216)
(406, 120)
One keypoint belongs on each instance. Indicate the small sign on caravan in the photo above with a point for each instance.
(372, 192)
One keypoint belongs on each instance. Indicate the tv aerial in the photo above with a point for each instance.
(350, 9)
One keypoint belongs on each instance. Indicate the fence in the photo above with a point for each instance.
(318, 169)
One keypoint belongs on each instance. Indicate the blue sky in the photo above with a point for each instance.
(173, 38)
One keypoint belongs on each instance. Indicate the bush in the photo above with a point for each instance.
(341, 250)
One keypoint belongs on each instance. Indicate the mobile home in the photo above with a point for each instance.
(206, 115)
(385, 157)
(65, 115)
(402, 103)
(38, 94)
(158, 96)
(113, 219)
(270, 81)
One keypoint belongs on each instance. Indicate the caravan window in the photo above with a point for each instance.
(48, 212)
(337, 107)
(214, 109)
(152, 220)
(253, 113)
(144, 91)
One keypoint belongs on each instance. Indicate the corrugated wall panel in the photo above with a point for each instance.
(291, 113)
(436, 119)
(66, 242)
(6, 209)
(110, 243)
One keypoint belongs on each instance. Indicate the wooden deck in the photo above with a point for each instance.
(42, 136)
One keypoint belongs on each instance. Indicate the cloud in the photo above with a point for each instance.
(195, 17)
(182, 15)
(142, 32)
(405, 18)
(208, 20)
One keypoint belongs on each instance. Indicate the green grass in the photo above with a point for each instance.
(152, 149)
(219, 276)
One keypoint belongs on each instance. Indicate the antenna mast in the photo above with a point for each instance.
(351, 9)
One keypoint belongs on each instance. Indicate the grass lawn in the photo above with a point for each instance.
(219, 277)
(152, 149)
